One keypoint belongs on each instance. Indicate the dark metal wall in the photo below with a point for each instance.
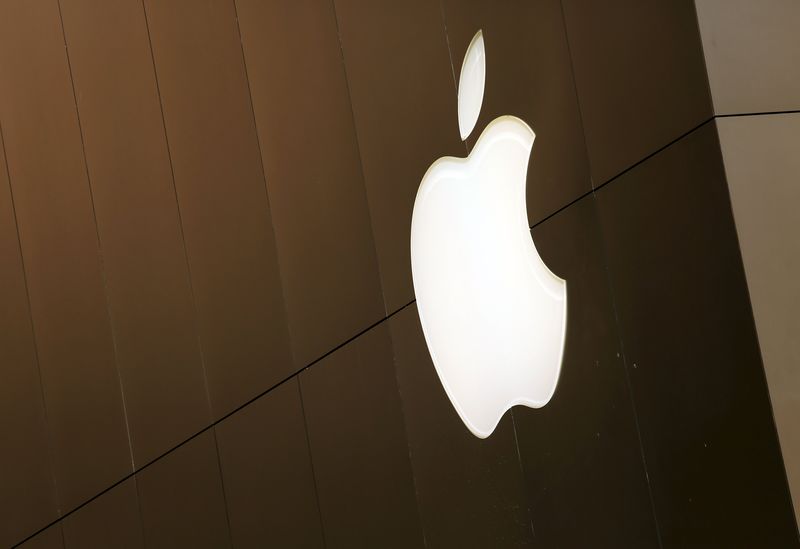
(208, 335)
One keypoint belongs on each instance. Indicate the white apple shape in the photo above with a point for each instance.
(494, 316)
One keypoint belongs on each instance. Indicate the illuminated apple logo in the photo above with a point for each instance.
(493, 314)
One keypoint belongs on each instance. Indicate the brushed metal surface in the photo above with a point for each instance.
(147, 278)
(640, 77)
(316, 190)
(358, 445)
(268, 474)
(404, 105)
(111, 520)
(61, 253)
(28, 497)
(182, 500)
(226, 219)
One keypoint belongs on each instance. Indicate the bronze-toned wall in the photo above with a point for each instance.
(208, 333)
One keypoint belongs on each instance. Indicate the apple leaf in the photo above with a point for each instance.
(471, 84)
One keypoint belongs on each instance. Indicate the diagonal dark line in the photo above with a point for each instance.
(623, 172)
(218, 421)
(762, 113)
(657, 151)
(562, 208)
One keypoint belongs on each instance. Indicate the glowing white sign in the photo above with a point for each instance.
(493, 314)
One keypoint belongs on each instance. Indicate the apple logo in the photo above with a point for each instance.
(493, 315)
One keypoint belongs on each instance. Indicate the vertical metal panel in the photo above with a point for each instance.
(316, 190)
(182, 499)
(223, 202)
(640, 77)
(28, 497)
(404, 105)
(358, 446)
(111, 520)
(148, 286)
(60, 250)
(267, 472)
(471, 492)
